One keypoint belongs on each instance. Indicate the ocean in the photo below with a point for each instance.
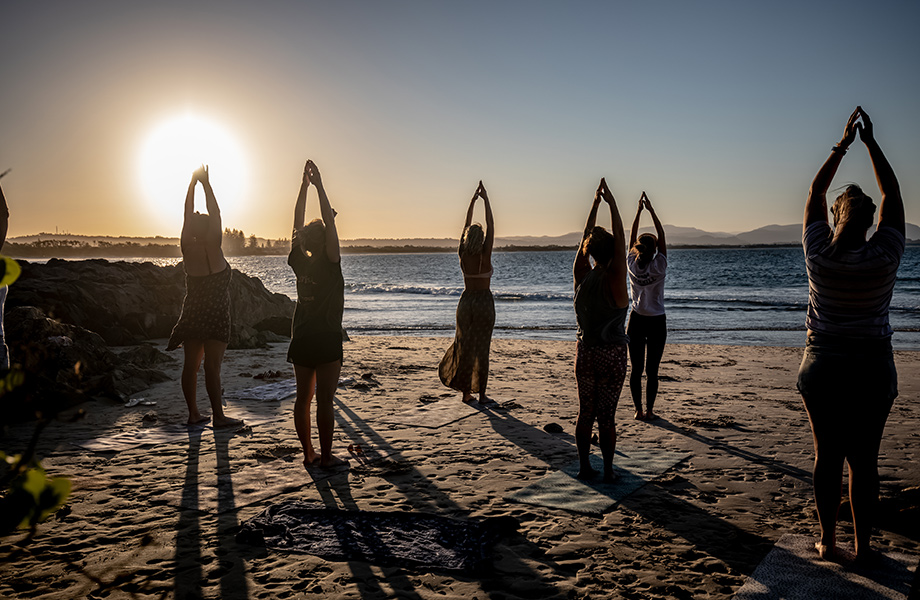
(738, 296)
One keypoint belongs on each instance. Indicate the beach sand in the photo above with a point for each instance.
(697, 531)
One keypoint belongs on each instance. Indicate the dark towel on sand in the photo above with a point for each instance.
(405, 539)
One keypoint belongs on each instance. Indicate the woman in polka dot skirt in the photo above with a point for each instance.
(601, 305)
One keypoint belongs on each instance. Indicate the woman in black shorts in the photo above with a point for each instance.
(316, 330)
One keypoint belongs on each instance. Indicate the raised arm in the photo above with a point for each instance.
(328, 215)
(634, 231)
(469, 211)
(891, 209)
(659, 229)
(618, 268)
(582, 266)
(490, 221)
(816, 205)
(189, 204)
(214, 221)
(4, 218)
(300, 207)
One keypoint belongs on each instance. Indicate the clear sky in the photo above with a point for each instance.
(721, 111)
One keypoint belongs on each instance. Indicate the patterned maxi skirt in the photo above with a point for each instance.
(465, 366)
(205, 310)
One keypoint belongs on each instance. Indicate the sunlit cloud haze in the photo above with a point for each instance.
(722, 111)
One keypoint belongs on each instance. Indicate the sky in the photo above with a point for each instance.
(721, 111)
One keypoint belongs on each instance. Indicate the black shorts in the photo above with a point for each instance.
(317, 348)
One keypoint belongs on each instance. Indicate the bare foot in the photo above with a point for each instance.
(332, 462)
(587, 473)
(198, 420)
(310, 458)
(829, 552)
(223, 422)
(468, 398)
(867, 558)
(610, 476)
(650, 416)
(640, 416)
(486, 401)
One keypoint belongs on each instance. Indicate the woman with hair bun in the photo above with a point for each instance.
(647, 264)
(847, 377)
(601, 302)
(465, 366)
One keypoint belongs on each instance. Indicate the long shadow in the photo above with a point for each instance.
(770, 463)
(188, 573)
(232, 568)
(425, 496)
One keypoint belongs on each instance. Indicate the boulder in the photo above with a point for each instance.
(126, 303)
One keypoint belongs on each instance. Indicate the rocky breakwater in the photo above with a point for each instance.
(66, 319)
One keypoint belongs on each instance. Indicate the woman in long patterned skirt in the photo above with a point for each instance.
(465, 366)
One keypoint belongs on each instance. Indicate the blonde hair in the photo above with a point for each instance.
(472, 240)
(853, 206)
(311, 237)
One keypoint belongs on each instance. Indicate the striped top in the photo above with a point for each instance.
(849, 294)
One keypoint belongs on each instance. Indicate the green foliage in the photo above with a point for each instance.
(31, 497)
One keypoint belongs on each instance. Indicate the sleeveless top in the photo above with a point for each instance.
(600, 321)
(320, 294)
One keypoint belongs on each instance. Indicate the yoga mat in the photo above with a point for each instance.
(634, 467)
(792, 570)
(164, 434)
(269, 391)
(410, 540)
(434, 415)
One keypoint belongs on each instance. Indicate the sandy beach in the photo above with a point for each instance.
(697, 531)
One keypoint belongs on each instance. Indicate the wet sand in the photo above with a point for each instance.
(695, 532)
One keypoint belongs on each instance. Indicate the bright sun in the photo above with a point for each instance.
(174, 149)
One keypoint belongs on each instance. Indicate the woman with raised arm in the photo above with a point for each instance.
(601, 303)
(203, 329)
(316, 330)
(465, 366)
(847, 377)
(647, 264)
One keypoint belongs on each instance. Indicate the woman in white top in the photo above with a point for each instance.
(647, 264)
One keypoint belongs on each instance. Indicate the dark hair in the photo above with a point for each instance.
(601, 245)
(472, 240)
(645, 247)
(198, 225)
(853, 206)
(311, 237)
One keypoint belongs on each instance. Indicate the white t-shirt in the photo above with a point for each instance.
(646, 286)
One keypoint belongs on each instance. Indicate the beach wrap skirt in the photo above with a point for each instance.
(465, 366)
(848, 384)
(599, 375)
(205, 310)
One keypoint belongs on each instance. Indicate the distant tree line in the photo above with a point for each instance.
(235, 243)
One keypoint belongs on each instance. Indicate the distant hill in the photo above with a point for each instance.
(677, 236)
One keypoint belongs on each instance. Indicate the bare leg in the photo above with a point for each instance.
(327, 379)
(194, 352)
(306, 383)
(607, 439)
(828, 477)
(213, 358)
(862, 458)
(583, 427)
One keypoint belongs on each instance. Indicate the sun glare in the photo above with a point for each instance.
(174, 149)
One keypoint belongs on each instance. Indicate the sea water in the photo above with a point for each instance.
(741, 296)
